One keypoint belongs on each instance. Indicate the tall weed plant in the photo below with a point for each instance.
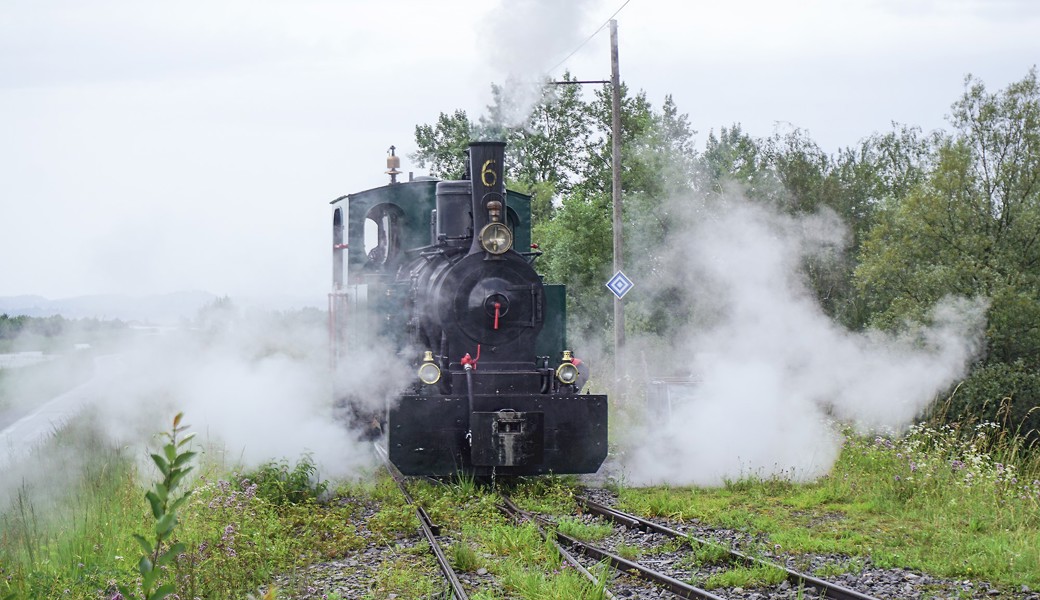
(159, 549)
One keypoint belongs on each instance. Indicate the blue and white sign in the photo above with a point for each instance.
(619, 284)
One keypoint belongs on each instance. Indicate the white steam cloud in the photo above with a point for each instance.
(522, 41)
(775, 373)
(253, 389)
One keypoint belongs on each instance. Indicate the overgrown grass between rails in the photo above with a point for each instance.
(953, 502)
(745, 577)
(524, 564)
(584, 531)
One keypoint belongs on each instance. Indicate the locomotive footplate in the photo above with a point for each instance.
(506, 435)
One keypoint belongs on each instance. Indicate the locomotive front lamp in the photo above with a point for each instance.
(567, 372)
(429, 372)
(496, 238)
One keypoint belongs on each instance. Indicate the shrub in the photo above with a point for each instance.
(1005, 393)
(280, 485)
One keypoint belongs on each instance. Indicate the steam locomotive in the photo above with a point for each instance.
(442, 271)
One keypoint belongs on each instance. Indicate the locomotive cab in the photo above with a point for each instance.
(446, 276)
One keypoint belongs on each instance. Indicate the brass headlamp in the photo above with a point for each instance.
(429, 372)
(567, 372)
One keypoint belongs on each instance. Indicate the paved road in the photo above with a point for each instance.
(17, 438)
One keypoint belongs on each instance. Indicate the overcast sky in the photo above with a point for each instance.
(151, 147)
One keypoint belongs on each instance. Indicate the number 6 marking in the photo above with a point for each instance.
(486, 173)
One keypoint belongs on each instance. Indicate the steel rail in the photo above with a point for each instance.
(430, 531)
(830, 590)
(679, 588)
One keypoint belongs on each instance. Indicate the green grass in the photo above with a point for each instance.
(79, 537)
(706, 555)
(76, 537)
(587, 532)
(952, 503)
(463, 557)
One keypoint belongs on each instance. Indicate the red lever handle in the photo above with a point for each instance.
(498, 306)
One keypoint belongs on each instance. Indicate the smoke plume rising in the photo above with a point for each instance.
(522, 41)
(775, 375)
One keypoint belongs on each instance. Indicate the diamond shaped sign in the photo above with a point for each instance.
(619, 284)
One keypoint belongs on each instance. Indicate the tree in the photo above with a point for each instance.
(442, 145)
(548, 148)
(971, 227)
(734, 157)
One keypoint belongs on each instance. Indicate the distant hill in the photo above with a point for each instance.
(159, 309)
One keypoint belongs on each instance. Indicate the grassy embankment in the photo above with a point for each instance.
(959, 504)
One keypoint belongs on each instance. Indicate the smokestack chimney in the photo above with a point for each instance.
(489, 190)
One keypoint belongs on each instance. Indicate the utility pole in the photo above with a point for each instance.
(615, 152)
(619, 304)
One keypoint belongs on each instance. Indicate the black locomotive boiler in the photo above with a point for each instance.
(444, 269)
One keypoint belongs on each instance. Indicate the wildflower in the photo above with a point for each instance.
(231, 552)
(956, 465)
(898, 478)
(116, 596)
(913, 467)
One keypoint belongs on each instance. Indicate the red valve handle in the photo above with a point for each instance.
(469, 360)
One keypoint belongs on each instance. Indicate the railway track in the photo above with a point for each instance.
(430, 530)
(634, 578)
(796, 584)
(794, 578)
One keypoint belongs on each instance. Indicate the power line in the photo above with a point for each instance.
(588, 39)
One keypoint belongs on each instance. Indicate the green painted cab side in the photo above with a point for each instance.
(416, 201)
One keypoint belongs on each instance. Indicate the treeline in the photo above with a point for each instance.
(53, 326)
(929, 214)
